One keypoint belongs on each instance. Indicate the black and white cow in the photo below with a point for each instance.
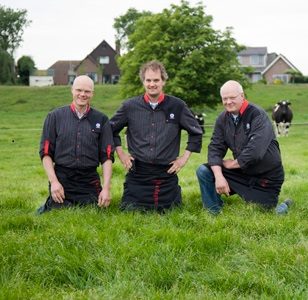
(200, 119)
(282, 116)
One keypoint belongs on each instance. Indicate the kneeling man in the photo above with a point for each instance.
(255, 173)
(154, 122)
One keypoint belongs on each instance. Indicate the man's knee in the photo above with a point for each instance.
(204, 172)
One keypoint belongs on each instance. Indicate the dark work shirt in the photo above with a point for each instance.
(252, 141)
(77, 143)
(154, 135)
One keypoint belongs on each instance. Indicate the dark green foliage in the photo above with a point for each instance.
(12, 24)
(125, 26)
(197, 58)
(301, 79)
(6, 68)
(25, 67)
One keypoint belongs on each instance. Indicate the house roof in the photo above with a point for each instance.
(280, 56)
(103, 43)
(65, 64)
(253, 51)
(270, 58)
(92, 57)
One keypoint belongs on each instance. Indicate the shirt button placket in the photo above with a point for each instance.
(78, 143)
(152, 136)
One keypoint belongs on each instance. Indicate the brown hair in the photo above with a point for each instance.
(154, 65)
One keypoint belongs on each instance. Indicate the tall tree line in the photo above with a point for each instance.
(12, 25)
(198, 58)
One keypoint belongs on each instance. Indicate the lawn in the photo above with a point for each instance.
(92, 253)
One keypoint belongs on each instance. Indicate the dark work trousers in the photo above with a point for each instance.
(263, 189)
(81, 187)
(150, 187)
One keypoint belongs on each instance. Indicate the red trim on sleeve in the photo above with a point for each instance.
(46, 147)
(109, 151)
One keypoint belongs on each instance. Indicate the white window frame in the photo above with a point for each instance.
(104, 60)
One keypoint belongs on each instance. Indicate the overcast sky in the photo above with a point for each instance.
(71, 29)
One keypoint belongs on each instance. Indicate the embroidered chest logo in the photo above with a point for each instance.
(171, 116)
(98, 125)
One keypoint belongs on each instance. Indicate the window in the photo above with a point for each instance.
(104, 60)
(283, 77)
(93, 76)
(71, 79)
(51, 72)
(115, 79)
(256, 77)
(106, 79)
(257, 60)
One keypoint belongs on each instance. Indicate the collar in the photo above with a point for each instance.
(244, 106)
(147, 98)
(74, 110)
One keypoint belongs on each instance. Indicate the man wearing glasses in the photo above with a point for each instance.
(76, 138)
(255, 172)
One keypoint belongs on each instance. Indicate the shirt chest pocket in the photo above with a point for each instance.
(172, 128)
(95, 134)
(96, 131)
(172, 122)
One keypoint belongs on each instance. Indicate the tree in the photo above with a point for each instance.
(293, 74)
(6, 72)
(125, 26)
(198, 59)
(25, 67)
(12, 24)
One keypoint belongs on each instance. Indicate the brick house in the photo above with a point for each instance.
(100, 65)
(63, 71)
(267, 66)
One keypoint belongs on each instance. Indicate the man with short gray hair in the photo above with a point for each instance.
(76, 138)
(255, 172)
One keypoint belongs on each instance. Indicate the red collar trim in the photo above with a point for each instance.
(160, 99)
(73, 108)
(244, 106)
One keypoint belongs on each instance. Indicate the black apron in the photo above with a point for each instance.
(149, 187)
(81, 187)
(263, 189)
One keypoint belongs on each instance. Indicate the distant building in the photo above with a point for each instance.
(267, 66)
(40, 80)
(63, 71)
(100, 65)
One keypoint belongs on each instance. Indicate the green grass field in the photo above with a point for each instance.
(92, 253)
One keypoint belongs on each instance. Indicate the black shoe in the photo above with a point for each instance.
(42, 209)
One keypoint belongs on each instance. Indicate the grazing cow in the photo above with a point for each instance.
(282, 116)
(200, 119)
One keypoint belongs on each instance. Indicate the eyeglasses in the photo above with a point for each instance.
(87, 92)
(232, 98)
